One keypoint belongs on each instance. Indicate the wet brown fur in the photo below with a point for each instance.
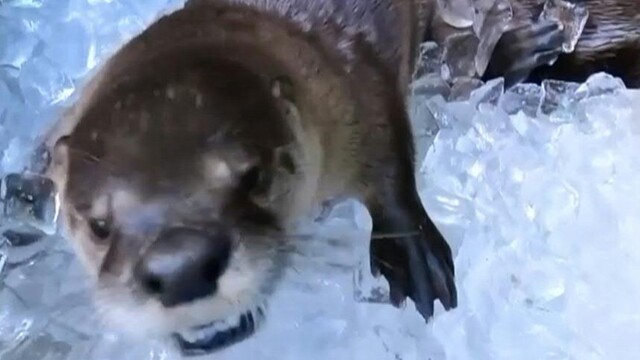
(325, 80)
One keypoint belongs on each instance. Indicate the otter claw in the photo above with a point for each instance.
(418, 267)
(522, 49)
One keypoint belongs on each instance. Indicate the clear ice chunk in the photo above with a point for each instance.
(31, 200)
(42, 83)
(72, 57)
(425, 126)
(25, 3)
(457, 13)
(490, 24)
(4, 254)
(490, 93)
(572, 15)
(430, 60)
(368, 288)
(18, 43)
(24, 245)
(481, 11)
(601, 84)
(459, 54)
(462, 88)
(522, 97)
(430, 85)
(560, 100)
(490, 12)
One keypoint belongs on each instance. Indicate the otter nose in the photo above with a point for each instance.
(183, 265)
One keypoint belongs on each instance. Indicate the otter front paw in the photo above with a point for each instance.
(417, 265)
(524, 48)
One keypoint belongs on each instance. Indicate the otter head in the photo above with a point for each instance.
(177, 186)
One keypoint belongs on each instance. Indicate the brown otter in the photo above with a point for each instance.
(187, 160)
(610, 42)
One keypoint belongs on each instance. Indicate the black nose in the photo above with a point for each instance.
(183, 265)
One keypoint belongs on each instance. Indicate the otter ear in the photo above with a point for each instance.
(285, 159)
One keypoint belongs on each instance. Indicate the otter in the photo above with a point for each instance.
(610, 42)
(530, 49)
(531, 52)
(188, 159)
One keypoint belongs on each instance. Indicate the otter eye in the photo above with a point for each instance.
(100, 228)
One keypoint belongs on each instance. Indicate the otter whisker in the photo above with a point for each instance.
(87, 155)
(395, 235)
(389, 235)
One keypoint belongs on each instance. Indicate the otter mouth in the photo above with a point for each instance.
(218, 335)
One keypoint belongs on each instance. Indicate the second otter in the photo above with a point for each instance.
(610, 42)
(530, 49)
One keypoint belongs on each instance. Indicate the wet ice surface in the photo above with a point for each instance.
(535, 189)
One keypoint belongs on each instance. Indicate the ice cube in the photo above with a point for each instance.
(601, 84)
(437, 107)
(430, 60)
(459, 54)
(572, 17)
(481, 10)
(16, 154)
(489, 28)
(368, 288)
(41, 346)
(40, 159)
(24, 244)
(462, 112)
(43, 83)
(489, 93)
(16, 323)
(30, 199)
(457, 13)
(430, 85)
(553, 201)
(491, 125)
(18, 44)
(560, 100)
(25, 3)
(4, 254)
(522, 97)
(423, 123)
(490, 13)
(70, 56)
(462, 88)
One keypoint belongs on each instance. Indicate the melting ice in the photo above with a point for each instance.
(535, 188)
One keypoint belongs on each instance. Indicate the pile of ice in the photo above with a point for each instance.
(534, 188)
(537, 190)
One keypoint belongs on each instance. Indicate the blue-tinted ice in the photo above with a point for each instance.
(535, 189)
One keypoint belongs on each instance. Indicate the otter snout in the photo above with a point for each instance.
(183, 264)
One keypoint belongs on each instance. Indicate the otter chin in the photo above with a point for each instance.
(219, 334)
(188, 160)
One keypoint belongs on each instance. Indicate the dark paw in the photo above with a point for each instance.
(418, 266)
(524, 48)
